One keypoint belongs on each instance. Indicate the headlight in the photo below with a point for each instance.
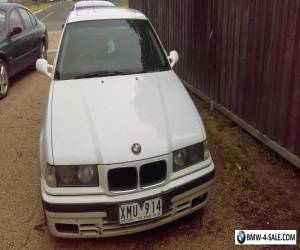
(72, 176)
(86, 173)
(180, 157)
(50, 175)
(191, 155)
(66, 175)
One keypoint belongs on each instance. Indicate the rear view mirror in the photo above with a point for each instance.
(43, 67)
(15, 31)
(173, 58)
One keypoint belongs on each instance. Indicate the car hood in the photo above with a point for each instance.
(96, 121)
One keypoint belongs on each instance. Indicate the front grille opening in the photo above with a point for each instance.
(198, 200)
(67, 228)
(122, 179)
(153, 173)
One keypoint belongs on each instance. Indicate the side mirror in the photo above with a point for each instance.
(173, 58)
(15, 31)
(43, 67)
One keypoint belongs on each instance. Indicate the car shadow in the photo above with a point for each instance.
(18, 77)
(26, 72)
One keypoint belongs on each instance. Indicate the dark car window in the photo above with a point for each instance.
(106, 47)
(33, 20)
(15, 20)
(26, 18)
(2, 20)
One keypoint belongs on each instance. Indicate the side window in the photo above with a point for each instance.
(26, 18)
(15, 20)
(2, 20)
(33, 19)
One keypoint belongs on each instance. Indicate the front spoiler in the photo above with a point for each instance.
(102, 218)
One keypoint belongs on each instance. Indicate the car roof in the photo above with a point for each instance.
(8, 6)
(104, 14)
(86, 4)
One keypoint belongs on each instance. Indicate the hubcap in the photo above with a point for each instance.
(3, 80)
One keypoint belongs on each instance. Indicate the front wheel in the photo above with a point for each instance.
(43, 50)
(4, 81)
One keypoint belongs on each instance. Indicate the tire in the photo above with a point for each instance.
(4, 80)
(42, 54)
(43, 50)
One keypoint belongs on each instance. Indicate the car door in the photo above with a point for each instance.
(37, 35)
(15, 49)
(30, 37)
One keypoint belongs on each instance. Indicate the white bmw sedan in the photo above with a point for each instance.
(122, 148)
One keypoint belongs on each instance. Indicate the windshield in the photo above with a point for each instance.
(109, 47)
(2, 20)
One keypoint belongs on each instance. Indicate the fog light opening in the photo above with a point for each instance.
(67, 228)
(198, 200)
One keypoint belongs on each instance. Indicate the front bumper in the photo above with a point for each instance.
(92, 219)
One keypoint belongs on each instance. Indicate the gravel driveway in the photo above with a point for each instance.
(254, 188)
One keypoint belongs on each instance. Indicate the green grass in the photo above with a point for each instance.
(122, 4)
(231, 154)
(39, 6)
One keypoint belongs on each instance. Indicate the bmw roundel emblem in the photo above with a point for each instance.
(241, 237)
(136, 148)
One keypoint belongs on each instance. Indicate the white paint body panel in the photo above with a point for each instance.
(96, 123)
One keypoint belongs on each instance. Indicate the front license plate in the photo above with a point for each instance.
(140, 210)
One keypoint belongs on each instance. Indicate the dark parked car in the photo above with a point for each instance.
(23, 39)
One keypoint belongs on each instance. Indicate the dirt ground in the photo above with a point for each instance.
(253, 189)
(54, 38)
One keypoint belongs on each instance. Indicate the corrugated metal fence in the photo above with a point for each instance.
(244, 55)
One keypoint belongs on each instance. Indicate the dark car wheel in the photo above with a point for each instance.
(4, 81)
(43, 50)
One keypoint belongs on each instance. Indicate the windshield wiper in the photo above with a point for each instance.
(101, 74)
(149, 70)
